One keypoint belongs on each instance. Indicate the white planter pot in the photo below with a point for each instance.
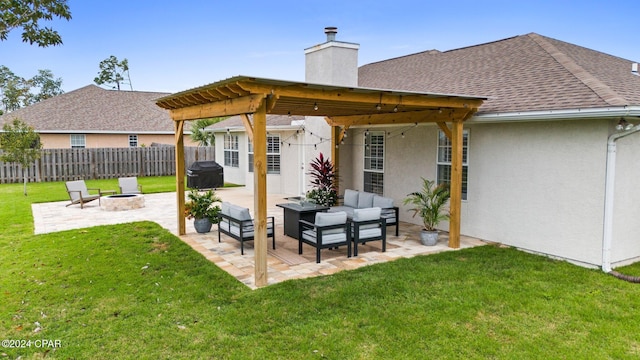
(429, 238)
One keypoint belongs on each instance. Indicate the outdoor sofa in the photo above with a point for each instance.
(236, 222)
(354, 199)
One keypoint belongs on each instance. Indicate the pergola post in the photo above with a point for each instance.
(179, 125)
(335, 152)
(455, 202)
(260, 193)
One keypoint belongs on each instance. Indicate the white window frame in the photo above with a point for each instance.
(133, 140)
(78, 141)
(231, 152)
(443, 160)
(374, 159)
(273, 154)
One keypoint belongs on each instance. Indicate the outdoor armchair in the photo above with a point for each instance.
(368, 225)
(129, 185)
(329, 230)
(79, 193)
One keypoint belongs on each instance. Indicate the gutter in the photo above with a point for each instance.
(607, 236)
(589, 113)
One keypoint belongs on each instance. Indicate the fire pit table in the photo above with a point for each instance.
(121, 202)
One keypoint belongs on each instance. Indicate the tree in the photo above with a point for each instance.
(48, 85)
(113, 71)
(26, 14)
(198, 133)
(16, 91)
(21, 145)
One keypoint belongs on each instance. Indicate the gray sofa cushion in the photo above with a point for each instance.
(346, 209)
(382, 202)
(226, 206)
(239, 213)
(326, 238)
(365, 200)
(331, 218)
(350, 198)
(366, 215)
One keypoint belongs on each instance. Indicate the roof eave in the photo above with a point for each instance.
(549, 115)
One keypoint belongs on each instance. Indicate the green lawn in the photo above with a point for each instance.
(136, 291)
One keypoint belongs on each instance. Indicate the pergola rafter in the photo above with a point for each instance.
(342, 107)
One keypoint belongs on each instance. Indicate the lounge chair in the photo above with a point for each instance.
(368, 225)
(329, 230)
(79, 193)
(129, 185)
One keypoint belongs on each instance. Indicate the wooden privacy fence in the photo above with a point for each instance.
(102, 163)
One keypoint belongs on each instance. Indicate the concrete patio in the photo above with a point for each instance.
(284, 263)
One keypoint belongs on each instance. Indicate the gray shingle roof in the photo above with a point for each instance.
(93, 109)
(523, 73)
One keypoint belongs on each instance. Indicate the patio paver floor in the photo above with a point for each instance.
(283, 264)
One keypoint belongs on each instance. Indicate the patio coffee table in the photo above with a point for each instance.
(294, 212)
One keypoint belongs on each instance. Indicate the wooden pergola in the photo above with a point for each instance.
(342, 108)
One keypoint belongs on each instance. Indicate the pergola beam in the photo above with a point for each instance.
(373, 98)
(425, 116)
(241, 105)
(445, 129)
(247, 125)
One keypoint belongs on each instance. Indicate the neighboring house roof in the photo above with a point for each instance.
(273, 122)
(523, 73)
(92, 109)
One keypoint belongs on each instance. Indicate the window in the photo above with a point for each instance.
(133, 140)
(78, 141)
(444, 160)
(231, 150)
(374, 162)
(273, 154)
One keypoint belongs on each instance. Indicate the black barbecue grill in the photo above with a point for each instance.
(205, 175)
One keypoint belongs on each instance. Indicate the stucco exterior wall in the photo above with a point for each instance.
(57, 141)
(539, 186)
(289, 179)
(626, 227)
(333, 62)
(536, 186)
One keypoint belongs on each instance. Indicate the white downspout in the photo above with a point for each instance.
(609, 194)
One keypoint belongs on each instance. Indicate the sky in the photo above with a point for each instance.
(173, 46)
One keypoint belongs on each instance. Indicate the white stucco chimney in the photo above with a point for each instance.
(332, 62)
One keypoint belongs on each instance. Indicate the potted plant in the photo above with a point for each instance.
(429, 203)
(323, 178)
(201, 208)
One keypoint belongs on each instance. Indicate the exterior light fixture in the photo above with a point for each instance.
(624, 125)
(315, 107)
